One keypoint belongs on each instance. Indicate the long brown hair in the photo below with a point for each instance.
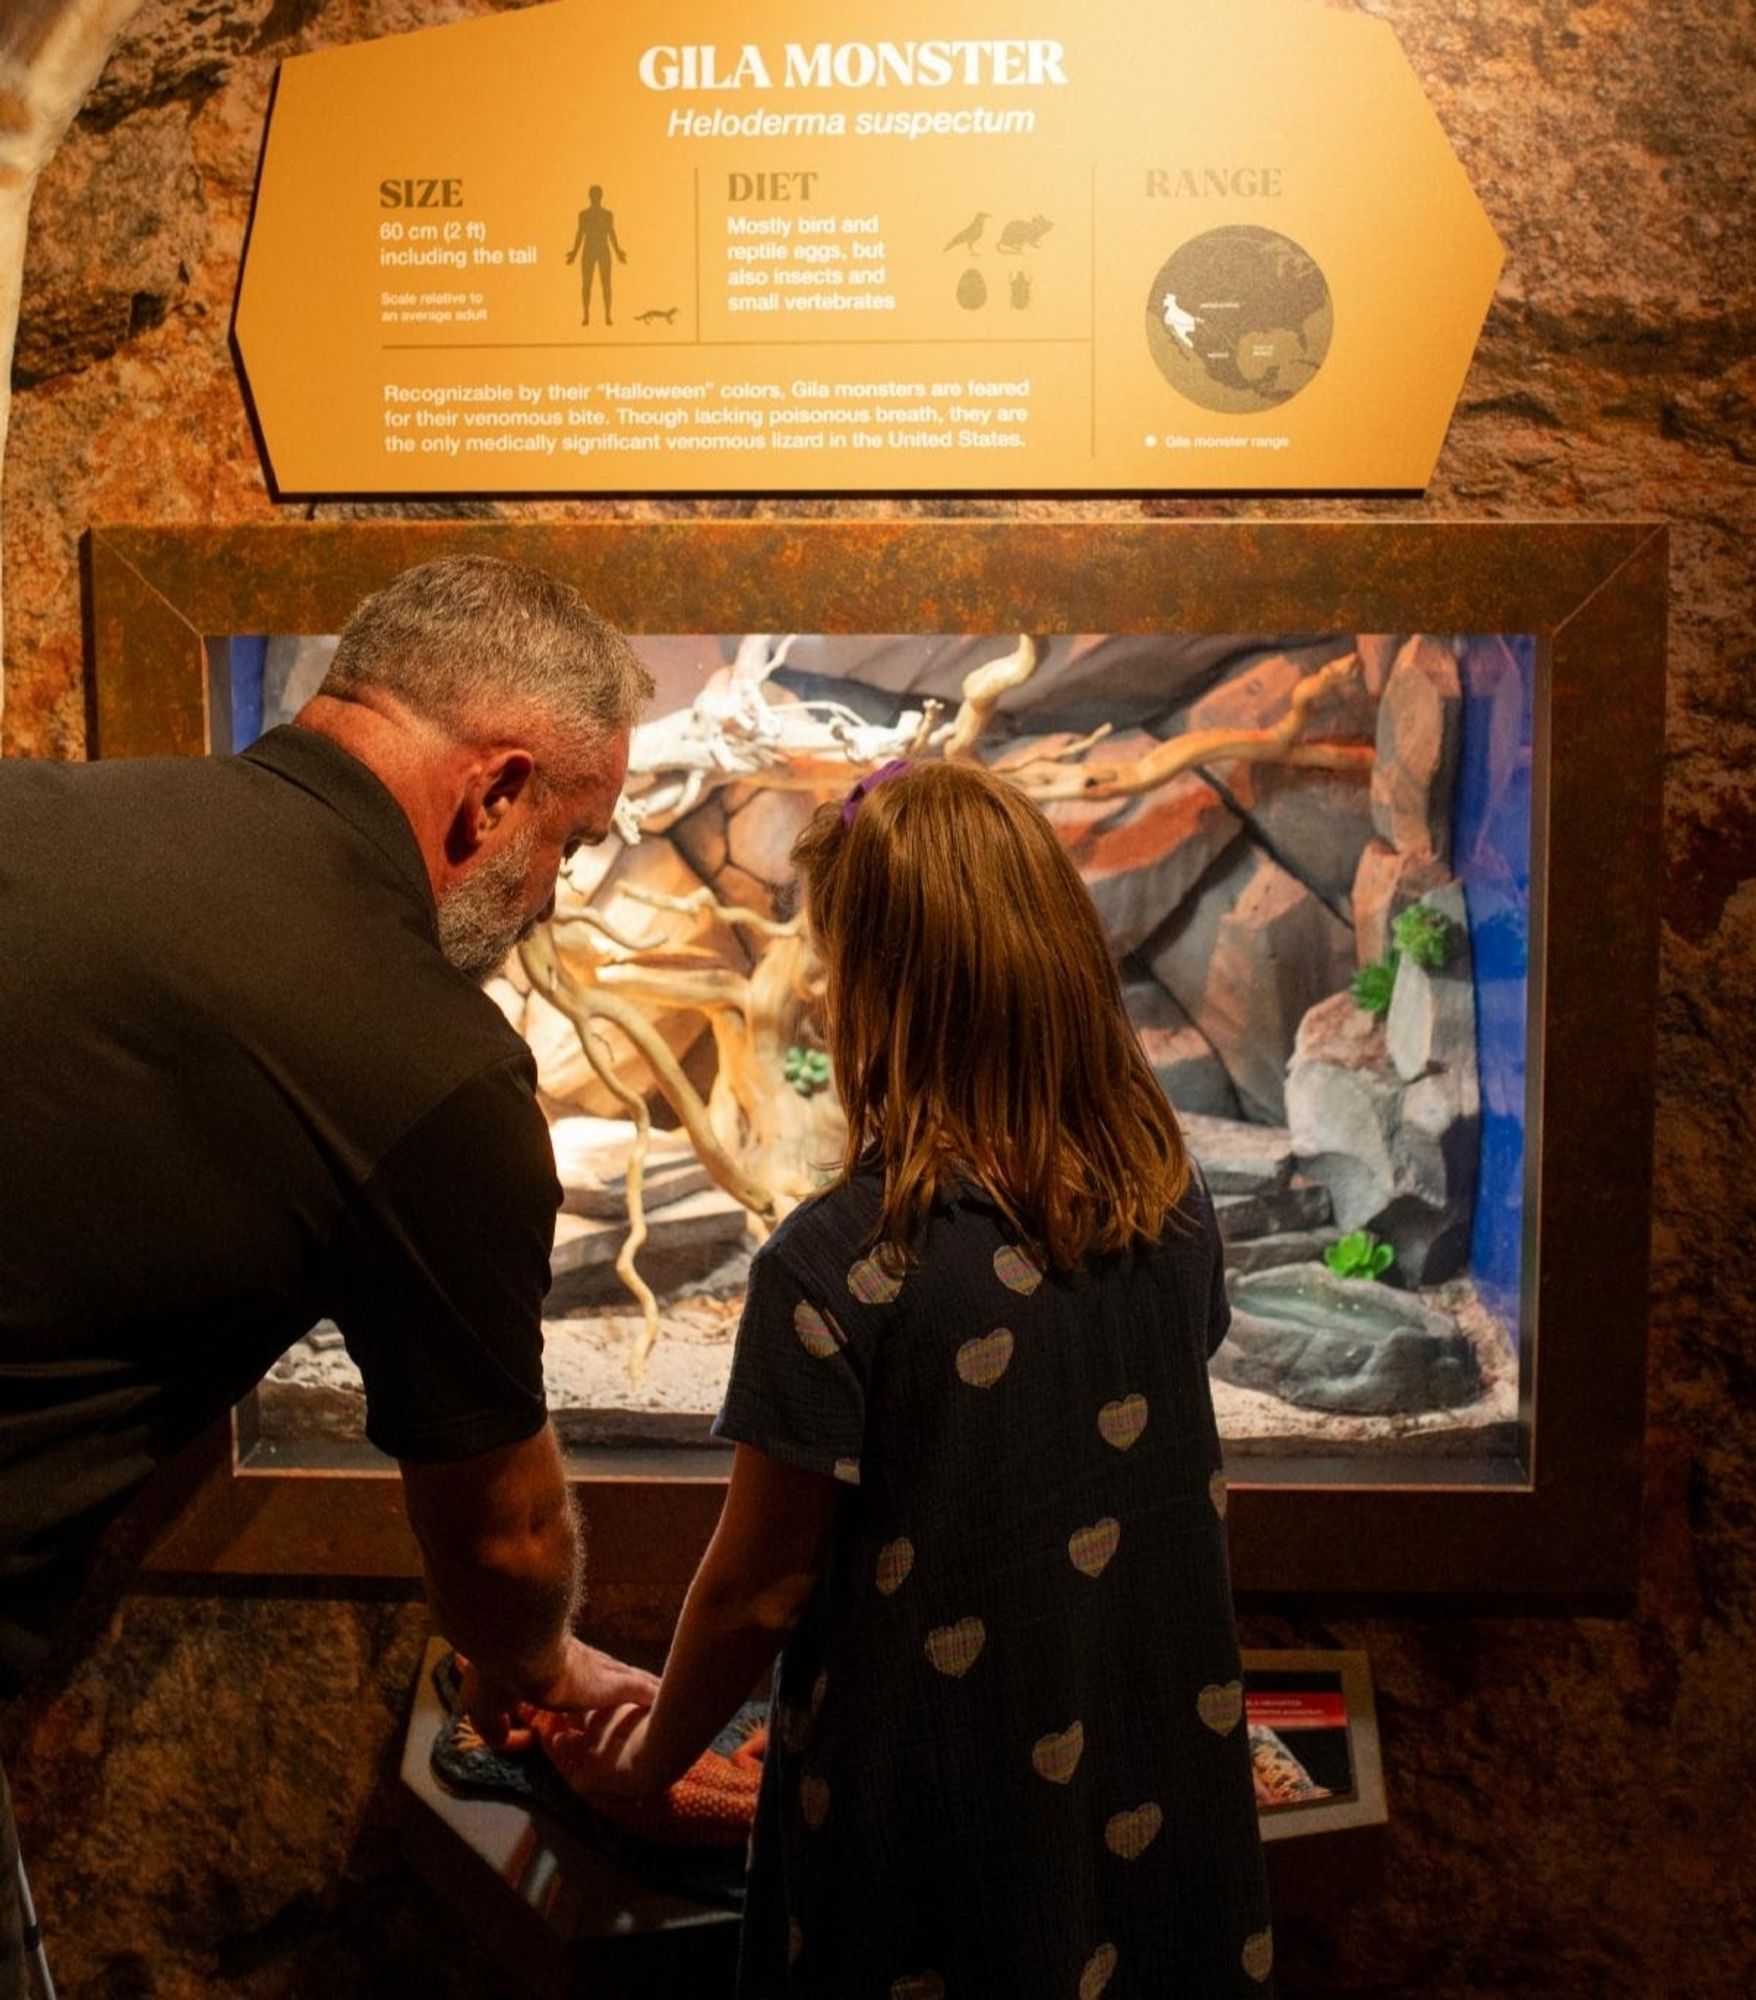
(975, 1018)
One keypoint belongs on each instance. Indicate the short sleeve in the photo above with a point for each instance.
(439, 1271)
(797, 1390)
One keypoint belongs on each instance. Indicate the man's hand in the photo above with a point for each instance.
(603, 1752)
(588, 1679)
(501, 1551)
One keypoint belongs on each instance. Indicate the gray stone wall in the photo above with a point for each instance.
(202, 1794)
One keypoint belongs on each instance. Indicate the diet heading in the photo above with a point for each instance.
(852, 65)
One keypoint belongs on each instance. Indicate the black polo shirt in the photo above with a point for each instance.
(241, 1090)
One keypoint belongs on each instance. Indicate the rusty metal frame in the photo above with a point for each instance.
(1560, 1526)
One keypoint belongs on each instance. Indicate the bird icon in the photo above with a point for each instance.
(966, 238)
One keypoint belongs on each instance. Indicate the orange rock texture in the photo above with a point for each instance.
(203, 1791)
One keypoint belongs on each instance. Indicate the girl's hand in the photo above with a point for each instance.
(603, 1751)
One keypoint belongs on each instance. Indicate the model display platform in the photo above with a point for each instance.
(568, 1918)
(562, 1914)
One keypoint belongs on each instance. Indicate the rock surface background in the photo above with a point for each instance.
(204, 1792)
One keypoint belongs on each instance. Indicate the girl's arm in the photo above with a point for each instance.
(750, 1591)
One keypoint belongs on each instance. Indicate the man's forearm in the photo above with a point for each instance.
(501, 1550)
(508, 1603)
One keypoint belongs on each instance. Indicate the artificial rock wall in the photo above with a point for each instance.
(202, 1793)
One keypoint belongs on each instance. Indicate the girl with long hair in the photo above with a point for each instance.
(976, 1500)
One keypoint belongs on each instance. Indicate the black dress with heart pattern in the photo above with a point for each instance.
(1008, 1755)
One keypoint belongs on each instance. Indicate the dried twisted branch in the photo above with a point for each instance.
(1014, 767)
(595, 920)
(1278, 744)
(733, 733)
(585, 1005)
(703, 901)
(635, 1180)
(982, 688)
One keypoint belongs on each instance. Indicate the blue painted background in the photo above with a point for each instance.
(248, 659)
(1490, 837)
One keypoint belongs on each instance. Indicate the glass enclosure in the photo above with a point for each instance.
(1312, 855)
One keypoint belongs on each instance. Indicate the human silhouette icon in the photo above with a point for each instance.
(593, 241)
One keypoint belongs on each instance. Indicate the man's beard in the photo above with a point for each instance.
(482, 917)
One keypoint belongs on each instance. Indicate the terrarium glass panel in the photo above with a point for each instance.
(1311, 854)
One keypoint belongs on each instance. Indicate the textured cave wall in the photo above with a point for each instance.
(202, 1796)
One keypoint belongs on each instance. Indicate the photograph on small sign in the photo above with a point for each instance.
(1299, 1747)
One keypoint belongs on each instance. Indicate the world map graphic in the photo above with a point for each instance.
(1239, 319)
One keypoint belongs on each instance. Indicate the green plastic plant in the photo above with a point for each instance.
(1373, 985)
(1424, 934)
(1359, 1254)
(807, 1070)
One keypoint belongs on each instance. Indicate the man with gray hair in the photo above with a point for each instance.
(252, 1081)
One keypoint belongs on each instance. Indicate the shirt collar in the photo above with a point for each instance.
(330, 773)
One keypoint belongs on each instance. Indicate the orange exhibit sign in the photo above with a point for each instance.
(1216, 244)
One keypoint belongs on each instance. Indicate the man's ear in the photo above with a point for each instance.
(493, 792)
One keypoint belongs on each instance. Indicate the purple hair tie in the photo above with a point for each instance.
(894, 769)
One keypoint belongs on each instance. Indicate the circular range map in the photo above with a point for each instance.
(1239, 320)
